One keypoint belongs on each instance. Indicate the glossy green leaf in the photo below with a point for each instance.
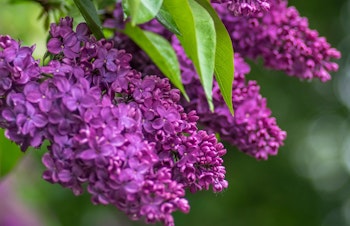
(9, 155)
(224, 60)
(89, 12)
(141, 11)
(198, 39)
(165, 18)
(160, 51)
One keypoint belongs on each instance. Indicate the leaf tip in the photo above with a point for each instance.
(211, 105)
(232, 111)
(186, 96)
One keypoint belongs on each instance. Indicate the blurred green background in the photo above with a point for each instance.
(308, 183)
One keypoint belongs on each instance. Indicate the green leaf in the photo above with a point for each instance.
(89, 12)
(9, 155)
(141, 11)
(102, 4)
(160, 51)
(224, 60)
(198, 39)
(165, 18)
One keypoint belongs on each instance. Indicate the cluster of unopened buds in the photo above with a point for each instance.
(116, 125)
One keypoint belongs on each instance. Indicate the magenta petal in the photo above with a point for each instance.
(127, 122)
(10, 54)
(118, 140)
(132, 187)
(98, 63)
(107, 149)
(70, 41)
(5, 83)
(168, 127)
(147, 125)
(69, 53)
(103, 200)
(87, 154)
(8, 115)
(39, 120)
(33, 97)
(173, 116)
(111, 66)
(158, 123)
(54, 46)
(45, 105)
(47, 175)
(47, 161)
(37, 140)
(28, 127)
(82, 29)
(70, 103)
(62, 84)
(64, 176)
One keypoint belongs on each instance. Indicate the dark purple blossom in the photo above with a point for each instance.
(65, 40)
(82, 32)
(252, 129)
(56, 68)
(41, 94)
(31, 120)
(23, 121)
(244, 7)
(64, 27)
(106, 58)
(17, 66)
(244, 130)
(79, 97)
(283, 39)
(124, 136)
(68, 45)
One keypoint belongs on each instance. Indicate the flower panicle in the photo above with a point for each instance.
(283, 39)
(122, 134)
(252, 129)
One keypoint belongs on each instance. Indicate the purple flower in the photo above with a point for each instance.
(252, 117)
(79, 97)
(127, 117)
(42, 94)
(105, 57)
(68, 44)
(82, 32)
(283, 39)
(122, 135)
(17, 65)
(98, 191)
(244, 130)
(31, 120)
(96, 145)
(143, 90)
(56, 68)
(64, 27)
(5, 81)
(23, 121)
(244, 7)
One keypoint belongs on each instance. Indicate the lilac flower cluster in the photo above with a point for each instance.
(283, 39)
(123, 135)
(17, 65)
(252, 130)
(244, 7)
(17, 68)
